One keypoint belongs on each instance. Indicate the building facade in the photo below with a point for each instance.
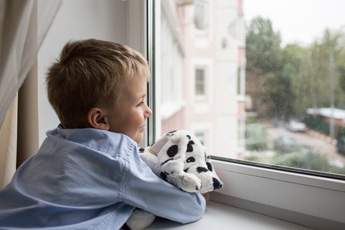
(203, 53)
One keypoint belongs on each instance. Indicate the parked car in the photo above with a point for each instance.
(341, 145)
(296, 126)
(285, 144)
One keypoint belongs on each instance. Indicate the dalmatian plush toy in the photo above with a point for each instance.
(180, 159)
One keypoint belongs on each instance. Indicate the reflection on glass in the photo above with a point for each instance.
(252, 83)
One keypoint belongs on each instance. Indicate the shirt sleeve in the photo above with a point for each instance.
(143, 189)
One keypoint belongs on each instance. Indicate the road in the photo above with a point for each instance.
(312, 139)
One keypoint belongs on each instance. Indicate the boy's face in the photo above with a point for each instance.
(129, 116)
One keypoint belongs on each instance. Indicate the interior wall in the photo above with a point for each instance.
(77, 19)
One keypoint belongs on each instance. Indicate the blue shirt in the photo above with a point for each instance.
(90, 179)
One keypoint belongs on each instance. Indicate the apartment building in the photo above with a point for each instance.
(203, 72)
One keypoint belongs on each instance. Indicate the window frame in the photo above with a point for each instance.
(309, 200)
(207, 66)
(298, 197)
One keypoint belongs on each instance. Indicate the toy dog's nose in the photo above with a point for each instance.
(216, 183)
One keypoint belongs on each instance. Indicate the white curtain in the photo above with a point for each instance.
(8, 145)
(23, 26)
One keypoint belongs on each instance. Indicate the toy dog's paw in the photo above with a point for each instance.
(187, 182)
(139, 219)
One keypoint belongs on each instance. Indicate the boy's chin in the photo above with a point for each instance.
(139, 137)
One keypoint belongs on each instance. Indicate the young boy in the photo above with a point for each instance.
(87, 173)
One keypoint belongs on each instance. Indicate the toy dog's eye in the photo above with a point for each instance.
(190, 159)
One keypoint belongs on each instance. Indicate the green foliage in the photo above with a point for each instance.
(322, 126)
(317, 124)
(309, 160)
(256, 137)
(304, 160)
(284, 82)
(268, 87)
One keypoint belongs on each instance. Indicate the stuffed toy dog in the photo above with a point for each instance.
(180, 159)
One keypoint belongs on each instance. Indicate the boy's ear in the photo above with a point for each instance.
(97, 119)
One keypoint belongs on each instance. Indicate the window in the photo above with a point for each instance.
(200, 15)
(297, 108)
(200, 86)
(201, 137)
(261, 85)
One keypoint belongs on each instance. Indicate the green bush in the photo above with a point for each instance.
(320, 125)
(310, 161)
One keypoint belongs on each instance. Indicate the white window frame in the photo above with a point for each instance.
(308, 200)
(313, 201)
(207, 65)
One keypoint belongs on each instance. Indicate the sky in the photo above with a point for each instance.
(299, 21)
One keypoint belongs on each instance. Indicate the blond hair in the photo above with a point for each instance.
(90, 73)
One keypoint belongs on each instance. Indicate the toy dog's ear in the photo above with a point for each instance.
(173, 150)
(208, 160)
(172, 158)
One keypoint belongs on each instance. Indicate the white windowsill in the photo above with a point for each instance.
(220, 216)
(302, 199)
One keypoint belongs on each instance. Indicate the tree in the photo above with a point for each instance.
(265, 83)
(311, 84)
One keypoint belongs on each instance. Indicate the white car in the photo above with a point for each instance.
(296, 126)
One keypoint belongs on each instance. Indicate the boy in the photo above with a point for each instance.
(87, 173)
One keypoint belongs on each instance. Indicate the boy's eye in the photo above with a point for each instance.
(140, 104)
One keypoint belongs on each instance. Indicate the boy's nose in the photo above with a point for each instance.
(148, 112)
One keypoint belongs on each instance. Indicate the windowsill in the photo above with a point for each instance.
(220, 216)
(302, 199)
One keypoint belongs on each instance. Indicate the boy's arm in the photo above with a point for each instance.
(143, 189)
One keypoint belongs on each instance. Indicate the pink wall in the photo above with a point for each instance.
(174, 122)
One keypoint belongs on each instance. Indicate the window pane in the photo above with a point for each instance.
(200, 82)
(265, 82)
(200, 15)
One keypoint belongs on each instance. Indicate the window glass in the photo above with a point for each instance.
(200, 15)
(200, 82)
(271, 74)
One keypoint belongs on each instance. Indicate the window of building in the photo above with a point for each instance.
(200, 15)
(201, 137)
(200, 82)
(295, 118)
(274, 103)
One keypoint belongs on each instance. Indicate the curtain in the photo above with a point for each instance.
(8, 145)
(23, 26)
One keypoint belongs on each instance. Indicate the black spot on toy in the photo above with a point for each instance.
(216, 183)
(164, 176)
(209, 166)
(172, 151)
(189, 146)
(190, 159)
(201, 169)
(166, 161)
